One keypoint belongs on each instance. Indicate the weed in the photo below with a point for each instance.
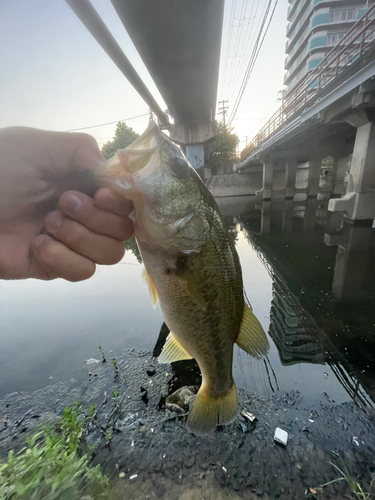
(102, 353)
(52, 467)
(354, 485)
(115, 367)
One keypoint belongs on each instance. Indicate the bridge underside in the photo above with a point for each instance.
(342, 128)
(179, 42)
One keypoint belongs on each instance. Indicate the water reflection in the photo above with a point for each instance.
(309, 278)
(323, 289)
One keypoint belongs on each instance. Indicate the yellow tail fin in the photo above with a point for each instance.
(208, 411)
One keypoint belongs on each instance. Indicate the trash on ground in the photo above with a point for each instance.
(248, 416)
(281, 436)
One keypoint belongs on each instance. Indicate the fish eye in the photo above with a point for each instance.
(179, 167)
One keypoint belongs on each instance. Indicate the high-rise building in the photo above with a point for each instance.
(314, 27)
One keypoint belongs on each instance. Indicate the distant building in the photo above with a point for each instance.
(314, 27)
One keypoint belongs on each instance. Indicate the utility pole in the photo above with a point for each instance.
(223, 109)
(246, 140)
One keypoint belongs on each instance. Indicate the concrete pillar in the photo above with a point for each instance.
(309, 219)
(359, 200)
(351, 264)
(266, 191)
(315, 167)
(338, 175)
(290, 178)
(287, 218)
(265, 221)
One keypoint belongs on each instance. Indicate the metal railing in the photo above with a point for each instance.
(342, 59)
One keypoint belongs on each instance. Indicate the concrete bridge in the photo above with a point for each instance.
(179, 42)
(330, 113)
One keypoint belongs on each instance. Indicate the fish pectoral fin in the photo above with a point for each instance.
(173, 351)
(191, 285)
(208, 410)
(251, 337)
(151, 287)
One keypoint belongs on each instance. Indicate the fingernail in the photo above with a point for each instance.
(53, 221)
(72, 202)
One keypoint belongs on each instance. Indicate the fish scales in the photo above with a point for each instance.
(206, 334)
(192, 268)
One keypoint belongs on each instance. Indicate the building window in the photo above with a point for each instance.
(334, 39)
(343, 15)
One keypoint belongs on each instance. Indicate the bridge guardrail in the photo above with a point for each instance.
(342, 59)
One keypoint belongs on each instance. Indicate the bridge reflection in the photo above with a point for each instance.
(323, 302)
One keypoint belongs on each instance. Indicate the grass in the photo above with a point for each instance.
(52, 466)
(358, 491)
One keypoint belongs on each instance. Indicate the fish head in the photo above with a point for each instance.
(154, 173)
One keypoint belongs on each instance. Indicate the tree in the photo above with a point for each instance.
(225, 141)
(124, 136)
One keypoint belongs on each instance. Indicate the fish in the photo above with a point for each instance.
(191, 267)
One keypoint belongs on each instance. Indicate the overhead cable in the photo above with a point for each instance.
(109, 123)
(254, 56)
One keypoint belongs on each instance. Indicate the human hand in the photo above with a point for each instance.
(53, 221)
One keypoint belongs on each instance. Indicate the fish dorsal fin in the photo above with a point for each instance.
(172, 351)
(251, 337)
(191, 285)
(151, 287)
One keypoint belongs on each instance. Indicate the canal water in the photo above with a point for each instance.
(309, 278)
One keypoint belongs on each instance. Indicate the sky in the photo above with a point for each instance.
(55, 76)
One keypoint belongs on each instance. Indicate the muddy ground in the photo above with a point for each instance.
(162, 460)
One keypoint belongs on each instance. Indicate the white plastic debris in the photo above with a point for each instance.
(224, 469)
(133, 477)
(281, 436)
(92, 361)
(248, 416)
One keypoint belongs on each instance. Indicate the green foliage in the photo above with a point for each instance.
(360, 492)
(133, 247)
(51, 466)
(225, 141)
(124, 136)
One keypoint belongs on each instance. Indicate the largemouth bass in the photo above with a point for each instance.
(191, 267)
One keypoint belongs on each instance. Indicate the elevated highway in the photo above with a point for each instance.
(179, 42)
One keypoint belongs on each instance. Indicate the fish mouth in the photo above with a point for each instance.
(136, 156)
(121, 170)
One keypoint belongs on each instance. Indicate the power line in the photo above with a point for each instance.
(254, 56)
(109, 123)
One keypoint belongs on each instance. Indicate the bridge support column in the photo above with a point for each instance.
(338, 175)
(266, 191)
(309, 218)
(359, 200)
(290, 178)
(287, 218)
(351, 264)
(315, 167)
(265, 221)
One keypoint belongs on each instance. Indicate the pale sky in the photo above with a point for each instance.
(55, 76)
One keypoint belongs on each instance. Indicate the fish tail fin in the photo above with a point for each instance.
(208, 410)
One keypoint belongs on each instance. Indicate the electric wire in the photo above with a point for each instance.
(254, 56)
(245, 48)
(109, 123)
